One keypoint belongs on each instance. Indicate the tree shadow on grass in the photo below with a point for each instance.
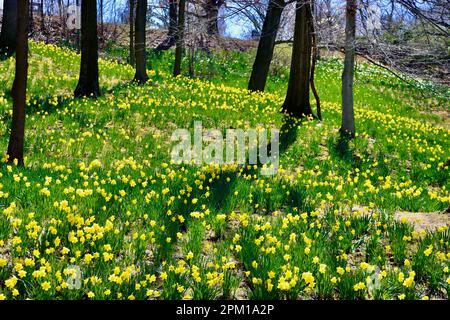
(221, 189)
(288, 133)
(342, 149)
(5, 54)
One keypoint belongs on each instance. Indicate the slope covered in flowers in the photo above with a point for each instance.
(100, 212)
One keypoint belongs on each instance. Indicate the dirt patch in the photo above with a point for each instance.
(427, 221)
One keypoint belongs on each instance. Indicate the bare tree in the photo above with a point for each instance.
(297, 102)
(78, 36)
(348, 116)
(266, 46)
(88, 84)
(19, 89)
(9, 27)
(31, 18)
(62, 19)
(254, 11)
(170, 40)
(102, 25)
(132, 6)
(315, 57)
(41, 7)
(435, 12)
(412, 37)
(141, 76)
(179, 39)
(212, 8)
(406, 37)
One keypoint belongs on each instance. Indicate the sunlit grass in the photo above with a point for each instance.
(99, 193)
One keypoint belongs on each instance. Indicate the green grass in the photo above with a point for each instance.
(99, 193)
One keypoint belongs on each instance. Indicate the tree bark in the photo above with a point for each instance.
(141, 76)
(132, 21)
(19, 89)
(212, 8)
(9, 28)
(348, 116)
(77, 2)
(61, 17)
(191, 68)
(179, 39)
(102, 26)
(88, 84)
(173, 25)
(42, 17)
(297, 102)
(266, 46)
(315, 57)
(31, 18)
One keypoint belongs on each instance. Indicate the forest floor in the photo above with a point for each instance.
(100, 201)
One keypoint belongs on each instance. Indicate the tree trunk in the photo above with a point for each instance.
(173, 19)
(9, 28)
(212, 8)
(173, 25)
(318, 16)
(266, 46)
(77, 2)
(179, 39)
(141, 76)
(61, 17)
(390, 18)
(102, 26)
(315, 57)
(213, 25)
(297, 102)
(31, 19)
(19, 89)
(348, 116)
(42, 17)
(88, 82)
(132, 53)
(191, 68)
(329, 22)
(66, 29)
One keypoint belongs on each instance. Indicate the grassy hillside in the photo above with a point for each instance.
(99, 194)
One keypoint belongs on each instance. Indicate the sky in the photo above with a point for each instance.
(236, 27)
